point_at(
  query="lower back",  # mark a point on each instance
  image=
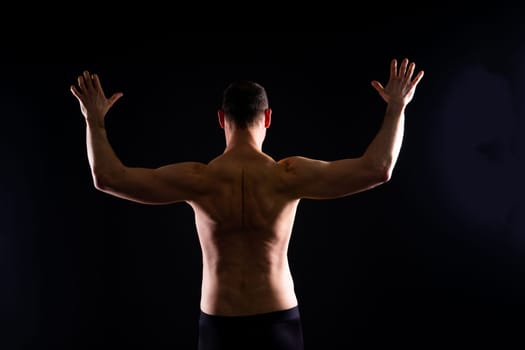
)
(235, 290)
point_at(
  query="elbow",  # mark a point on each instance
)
(107, 180)
(383, 175)
(101, 182)
(380, 171)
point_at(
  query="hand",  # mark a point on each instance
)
(93, 102)
(400, 87)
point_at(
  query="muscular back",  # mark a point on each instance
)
(244, 221)
(244, 201)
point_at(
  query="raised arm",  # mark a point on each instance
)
(316, 179)
(167, 184)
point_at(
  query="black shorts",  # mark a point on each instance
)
(277, 330)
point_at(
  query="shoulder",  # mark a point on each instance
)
(287, 163)
(295, 163)
(186, 167)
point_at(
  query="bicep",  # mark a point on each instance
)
(317, 179)
(164, 185)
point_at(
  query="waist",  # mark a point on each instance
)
(287, 314)
(231, 296)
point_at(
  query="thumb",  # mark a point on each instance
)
(377, 85)
(75, 92)
(115, 97)
(380, 89)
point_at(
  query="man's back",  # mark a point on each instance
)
(245, 202)
(244, 220)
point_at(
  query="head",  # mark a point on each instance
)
(244, 106)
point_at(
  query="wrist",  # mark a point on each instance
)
(95, 123)
(396, 107)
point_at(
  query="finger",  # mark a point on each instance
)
(81, 84)
(417, 79)
(75, 92)
(97, 84)
(115, 97)
(88, 80)
(393, 69)
(403, 68)
(377, 85)
(410, 71)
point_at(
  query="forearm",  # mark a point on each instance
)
(102, 159)
(383, 151)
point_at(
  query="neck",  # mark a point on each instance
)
(243, 139)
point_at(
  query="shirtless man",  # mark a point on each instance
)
(245, 202)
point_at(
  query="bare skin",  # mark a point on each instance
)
(244, 201)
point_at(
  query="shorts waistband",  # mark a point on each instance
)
(272, 316)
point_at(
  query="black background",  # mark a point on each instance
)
(433, 257)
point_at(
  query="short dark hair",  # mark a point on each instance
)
(242, 100)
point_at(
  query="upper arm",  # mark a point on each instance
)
(167, 184)
(317, 179)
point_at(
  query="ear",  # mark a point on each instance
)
(267, 117)
(220, 114)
